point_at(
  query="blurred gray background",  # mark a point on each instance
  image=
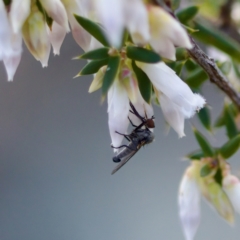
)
(56, 160)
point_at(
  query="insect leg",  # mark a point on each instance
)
(131, 122)
(134, 111)
(126, 146)
(126, 136)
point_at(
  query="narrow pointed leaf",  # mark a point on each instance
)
(142, 55)
(111, 72)
(187, 14)
(218, 39)
(220, 121)
(144, 82)
(229, 148)
(93, 28)
(205, 118)
(218, 176)
(205, 170)
(230, 123)
(196, 155)
(196, 78)
(204, 144)
(93, 66)
(100, 53)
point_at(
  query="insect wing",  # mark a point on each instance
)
(124, 161)
(127, 158)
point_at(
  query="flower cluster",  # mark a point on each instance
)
(219, 187)
(40, 23)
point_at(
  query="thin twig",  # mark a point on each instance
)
(215, 75)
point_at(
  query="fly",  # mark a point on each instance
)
(137, 138)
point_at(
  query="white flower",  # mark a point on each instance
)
(55, 9)
(19, 12)
(231, 186)
(118, 109)
(56, 36)
(119, 14)
(189, 204)
(176, 98)
(10, 44)
(36, 36)
(166, 33)
(82, 37)
(123, 89)
(12, 60)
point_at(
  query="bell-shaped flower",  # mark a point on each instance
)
(55, 9)
(176, 98)
(117, 15)
(118, 110)
(231, 186)
(82, 37)
(19, 12)
(189, 203)
(36, 37)
(56, 36)
(12, 59)
(166, 33)
(5, 32)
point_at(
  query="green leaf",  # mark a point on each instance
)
(204, 144)
(144, 83)
(220, 121)
(181, 54)
(111, 72)
(230, 123)
(93, 66)
(205, 170)
(218, 39)
(205, 118)
(218, 176)
(236, 69)
(229, 148)
(196, 78)
(178, 67)
(100, 53)
(175, 4)
(225, 67)
(142, 55)
(191, 65)
(196, 155)
(187, 14)
(93, 28)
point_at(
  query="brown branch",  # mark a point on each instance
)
(215, 75)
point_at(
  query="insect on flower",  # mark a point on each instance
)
(137, 138)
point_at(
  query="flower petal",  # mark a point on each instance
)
(118, 108)
(19, 12)
(136, 21)
(12, 59)
(36, 37)
(5, 32)
(166, 33)
(173, 115)
(189, 204)
(55, 9)
(56, 36)
(231, 186)
(111, 15)
(166, 81)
